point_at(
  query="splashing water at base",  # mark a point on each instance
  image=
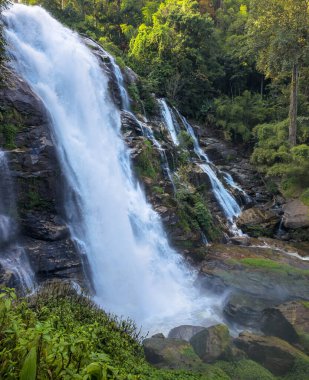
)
(134, 270)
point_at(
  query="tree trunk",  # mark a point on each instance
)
(293, 106)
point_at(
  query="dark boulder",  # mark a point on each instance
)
(276, 355)
(212, 343)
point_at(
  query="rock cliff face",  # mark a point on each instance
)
(38, 180)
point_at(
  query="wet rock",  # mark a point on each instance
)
(184, 332)
(212, 343)
(296, 214)
(8, 278)
(39, 183)
(258, 222)
(105, 62)
(130, 123)
(198, 177)
(58, 259)
(44, 227)
(171, 353)
(289, 321)
(272, 353)
(246, 310)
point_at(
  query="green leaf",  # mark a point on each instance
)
(28, 371)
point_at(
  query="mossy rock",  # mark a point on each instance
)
(171, 354)
(212, 343)
(278, 356)
(289, 321)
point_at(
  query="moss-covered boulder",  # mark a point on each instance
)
(212, 343)
(276, 355)
(290, 322)
(171, 354)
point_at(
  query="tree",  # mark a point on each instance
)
(278, 34)
(178, 54)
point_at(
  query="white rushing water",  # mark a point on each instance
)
(124, 96)
(169, 121)
(227, 202)
(13, 257)
(135, 272)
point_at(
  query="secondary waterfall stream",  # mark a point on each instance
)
(135, 272)
(225, 199)
(13, 257)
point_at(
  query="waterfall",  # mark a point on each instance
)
(135, 272)
(197, 148)
(125, 100)
(13, 257)
(169, 120)
(230, 181)
(227, 202)
(120, 82)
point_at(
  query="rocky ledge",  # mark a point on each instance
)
(254, 278)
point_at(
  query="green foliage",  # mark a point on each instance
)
(147, 162)
(186, 141)
(193, 213)
(29, 370)
(238, 116)
(274, 157)
(245, 370)
(61, 335)
(9, 132)
(277, 32)
(305, 197)
(300, 371)
(273, 266)
(177, 53)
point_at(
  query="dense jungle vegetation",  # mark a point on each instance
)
(240, 66)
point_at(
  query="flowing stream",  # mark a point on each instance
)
(13, 257)
(135, 272)
(227, 202)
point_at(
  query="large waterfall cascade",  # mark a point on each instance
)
(135, 272)
(13, 257)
